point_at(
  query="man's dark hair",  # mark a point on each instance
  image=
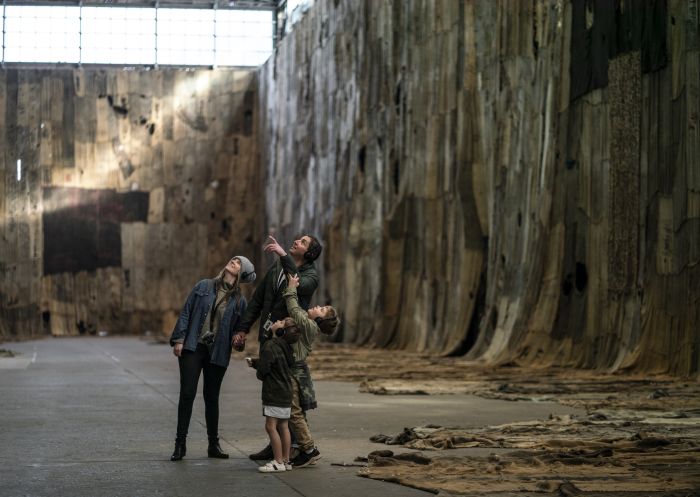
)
(314, 250)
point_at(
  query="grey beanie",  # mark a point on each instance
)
(247, 269)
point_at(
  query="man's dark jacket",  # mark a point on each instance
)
(267, 298)
(274, 368)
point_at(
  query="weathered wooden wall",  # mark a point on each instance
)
(518, 180)
(135, 184)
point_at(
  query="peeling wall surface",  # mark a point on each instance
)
(132, 186)
(515, 181)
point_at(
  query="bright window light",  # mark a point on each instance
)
(42, 34)
(186, 37)
(19, 169)
(243, 38)
(118, 35)
(137, 36)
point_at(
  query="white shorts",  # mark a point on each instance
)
(277, 412)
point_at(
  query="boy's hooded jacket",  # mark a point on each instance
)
(274, 368)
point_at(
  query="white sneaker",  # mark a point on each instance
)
(287, 466)
(273, 467)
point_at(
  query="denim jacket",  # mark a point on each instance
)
(192, 317)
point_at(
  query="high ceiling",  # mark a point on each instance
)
(223, 4)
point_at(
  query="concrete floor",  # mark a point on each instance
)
(96, 416)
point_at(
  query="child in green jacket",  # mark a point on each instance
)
(319, 319)
(274, 368)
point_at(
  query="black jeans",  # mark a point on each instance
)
(191, 365)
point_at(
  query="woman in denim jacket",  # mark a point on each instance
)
(201, 341)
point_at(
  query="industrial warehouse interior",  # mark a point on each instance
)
(482, 218)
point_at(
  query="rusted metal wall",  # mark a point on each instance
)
(518, 180)
(134, 185)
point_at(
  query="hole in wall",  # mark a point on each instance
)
(122, 109)
(361, 159)
(477, 316)
(581, 279)
(567, 285)
(397, 99)
(535, 43)
(225, 232)
(535, 47)
(395, 176)
(434, 306)
(46, 321)
(248, 122)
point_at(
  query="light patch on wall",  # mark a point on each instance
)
(188, 88)
(19, 169)
(295, 11)
(202, 84)
(189, 101)
(184, 90)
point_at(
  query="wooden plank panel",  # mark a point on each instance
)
(677, 36)
(665, 242)
(102, 121)
(692, 133)
(24, 97)
(67, 119)
(625, 118)
(87, 122)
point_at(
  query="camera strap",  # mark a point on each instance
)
(275, 293)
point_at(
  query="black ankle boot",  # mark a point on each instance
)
(180, 450)
(214, 449)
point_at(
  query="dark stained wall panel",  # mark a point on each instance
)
(603, 29)
(82, 227)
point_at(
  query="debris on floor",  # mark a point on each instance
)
(602, 452)
(640, 434)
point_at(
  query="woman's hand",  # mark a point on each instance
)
(177, 349)
(273, 246)
(238, 339)
(292, 281)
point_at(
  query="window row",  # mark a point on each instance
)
(131, 35)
